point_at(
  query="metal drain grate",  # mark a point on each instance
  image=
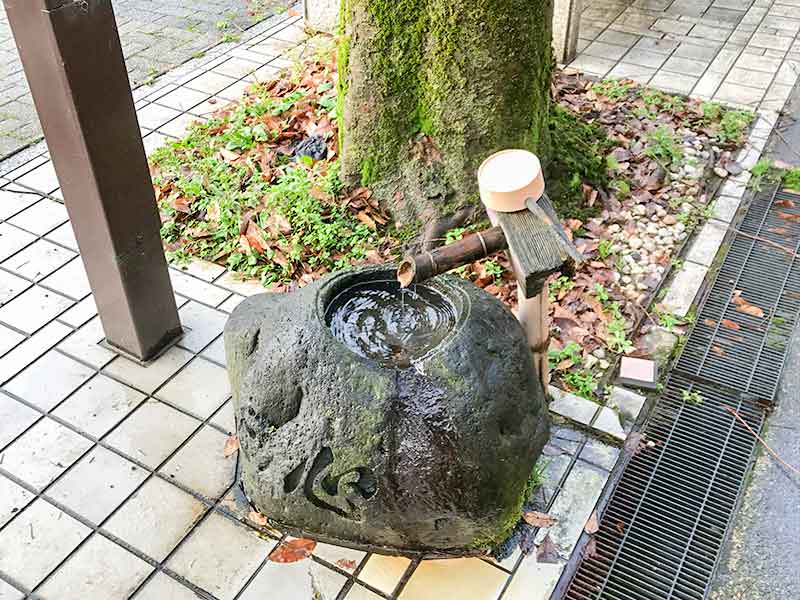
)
(740, 351)
(662, 531)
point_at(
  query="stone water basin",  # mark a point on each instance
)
(399, 422)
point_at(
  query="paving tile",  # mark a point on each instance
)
(291, 581)
(37, 540)
(571, 406)
(707, 242)
(201, 324)
(608, 422)
(326, 583)
(10, 286)
(684, 288)
(180, 126)
(271, 47)
(637, 73)
(97, 484)
(645, 58)
(38, 260)
(182, 99)
(154, 116)
(237, 67)
(775, 42)
(756, 79)
(672, 26)
(656, 45)
(43, 452)
(196, 289)
(463, 578)
(739, 94)
(10, 338)
(210, 83)
(708, 84)
(99, 405)
(13, 239)
(13, 201)
(15, 418)
(220, 556)
(156, 518)
(225, 418)
(32, 348)
(685, 66)
(725, 208)
(41, 217)
(49, 380)
(244, 287)
(216, 351)
(232, 303)
(64, 235)
(13, 498)
(149, 377)
(200, 388)
(555, 467)
(593, 65)
(164, 587)
(346, 559)
(674, 82)
(203, 269)
(152, 433)
(152, 142)
(626, 402)
(603, 50)
(70, 280)
(758, 63)
(99, 569)
(534, 580)
(84, 344)
(81, 313)
(42, 178)
(33, 308)
(9, 592)
(384, 572)
(201, 464)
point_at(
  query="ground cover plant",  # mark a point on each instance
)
(257, 188)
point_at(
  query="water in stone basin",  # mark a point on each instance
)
(392, 326)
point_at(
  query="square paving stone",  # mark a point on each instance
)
(81, 313)
(33, 308)
(64, 235)
(462, 578)
(15, 418)
(13, 498)
(290, 581)
(220, 556)
(97, 484)
(84, 344)
(99, 569)
(44, 452)
(152, 433)
(30, 349)
(149, 377)
(13, 201)
(154, 116)
(200, 388)
(201, 465)
(38, 260)
(205, 270)
(41, 217)
(183, 99)
(599, 454)
(13, 239)
(225, 418)
(11, 286)
(9, 592)
(608, 422)
(197, 289)
(638, 372)
(99, 405)
(216, 351)
(571, 406)
(683, 289)
(210, 83)
(346, 559)
(70, 280)
(49, 380)
(156, 518)
(164, 587)
(533, 580)
(43, 178)
(201, 323)
(37, 540)
(384, 572)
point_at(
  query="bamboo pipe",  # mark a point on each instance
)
(418, 268)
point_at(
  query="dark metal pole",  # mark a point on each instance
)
(71, 53)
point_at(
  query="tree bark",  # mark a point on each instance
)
(429, 88)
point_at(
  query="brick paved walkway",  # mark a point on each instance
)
(156, 36)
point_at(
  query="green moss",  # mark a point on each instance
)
(342, 67)
(367, 172)
(578, 156)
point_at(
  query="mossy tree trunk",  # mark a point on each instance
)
(429, 88)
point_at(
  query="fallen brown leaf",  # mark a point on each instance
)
(547, 552)
(718, 351)
(709, 322)
(293, 550)
(591, 549)
(538, 519)
(347, 564)
(231, 446)
(785, 203)
(620, 527)
(730, 324)
(746, 307)
(592, 525)
(789, 217)
(257, 518)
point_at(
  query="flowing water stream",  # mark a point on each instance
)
(393, 326)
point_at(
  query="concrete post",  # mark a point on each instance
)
(566, 23)
(321, 15)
